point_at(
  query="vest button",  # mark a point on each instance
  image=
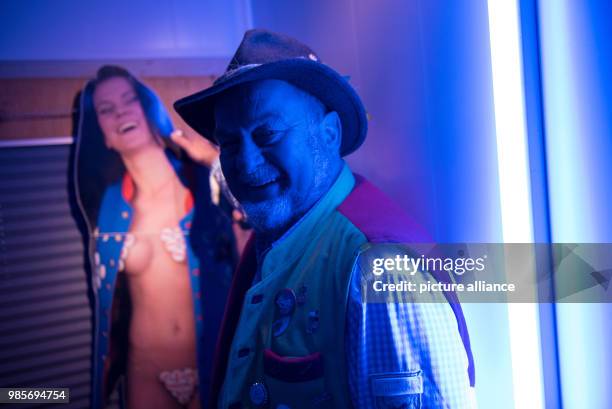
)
(258, 394)
(285, 302)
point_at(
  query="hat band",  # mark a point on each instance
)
(232, 73)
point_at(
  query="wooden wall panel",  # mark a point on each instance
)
(41, 107)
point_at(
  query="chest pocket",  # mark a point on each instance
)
(296, 382)
(397, 390)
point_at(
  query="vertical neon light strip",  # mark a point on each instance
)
(515, 191)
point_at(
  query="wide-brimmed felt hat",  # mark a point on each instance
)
(263, 55)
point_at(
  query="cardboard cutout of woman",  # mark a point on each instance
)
(161, 253)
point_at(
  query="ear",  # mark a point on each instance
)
(331, 128)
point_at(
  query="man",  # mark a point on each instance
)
(296, 331)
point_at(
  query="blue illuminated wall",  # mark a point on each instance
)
(115, 29)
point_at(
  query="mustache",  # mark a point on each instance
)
(259, 176)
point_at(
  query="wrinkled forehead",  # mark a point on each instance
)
(253, 100)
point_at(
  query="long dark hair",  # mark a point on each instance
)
(97, 166)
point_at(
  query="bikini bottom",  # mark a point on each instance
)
(181, 383)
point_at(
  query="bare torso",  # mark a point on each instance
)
(162, 333)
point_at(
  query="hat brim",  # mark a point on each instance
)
(197, 110)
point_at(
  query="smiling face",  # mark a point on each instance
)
(121, 116)
(279, 151)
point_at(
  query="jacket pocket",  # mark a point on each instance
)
(296, 382)
(397, 390)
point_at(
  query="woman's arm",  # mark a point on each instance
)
(199, 149)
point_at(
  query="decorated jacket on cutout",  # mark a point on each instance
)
(210, 259)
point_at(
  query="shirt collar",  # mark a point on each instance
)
(292, 243)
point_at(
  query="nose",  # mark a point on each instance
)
(249, 156)
(122, 110)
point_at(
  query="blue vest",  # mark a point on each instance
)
(296, 368)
